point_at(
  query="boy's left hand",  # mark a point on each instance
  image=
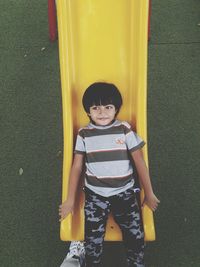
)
(151, 201)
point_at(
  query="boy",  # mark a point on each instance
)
(106, 146)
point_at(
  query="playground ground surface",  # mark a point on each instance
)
(31, 137)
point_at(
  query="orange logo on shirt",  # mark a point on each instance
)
(120, 141)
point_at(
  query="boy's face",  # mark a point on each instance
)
(102, 115)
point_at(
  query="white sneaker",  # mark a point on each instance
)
(76, 254)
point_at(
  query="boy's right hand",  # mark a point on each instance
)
(151, 201)
(65, 208)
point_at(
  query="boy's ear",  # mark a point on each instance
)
(116, 112)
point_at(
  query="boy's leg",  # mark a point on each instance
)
(96, 214)
(127, 215)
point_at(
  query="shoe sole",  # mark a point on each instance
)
(70, 263)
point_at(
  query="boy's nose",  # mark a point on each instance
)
(102, 110)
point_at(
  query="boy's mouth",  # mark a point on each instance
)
(104, 118)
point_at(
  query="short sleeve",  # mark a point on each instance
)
(133, 140)
(80, 145)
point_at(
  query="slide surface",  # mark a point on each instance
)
(101, 40)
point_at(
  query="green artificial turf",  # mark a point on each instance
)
(31, 137)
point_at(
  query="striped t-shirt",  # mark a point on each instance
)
(109, 170)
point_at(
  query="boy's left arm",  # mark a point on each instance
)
(150, 199)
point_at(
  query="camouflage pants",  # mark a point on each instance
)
(126, 213)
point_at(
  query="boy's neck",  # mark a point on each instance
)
(103, 126)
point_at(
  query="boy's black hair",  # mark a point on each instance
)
(101, 93)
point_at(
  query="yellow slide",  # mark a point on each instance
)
(101, 40)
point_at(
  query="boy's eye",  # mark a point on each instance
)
(94, 108)
(109, 107)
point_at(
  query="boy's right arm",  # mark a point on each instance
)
(68, 205)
